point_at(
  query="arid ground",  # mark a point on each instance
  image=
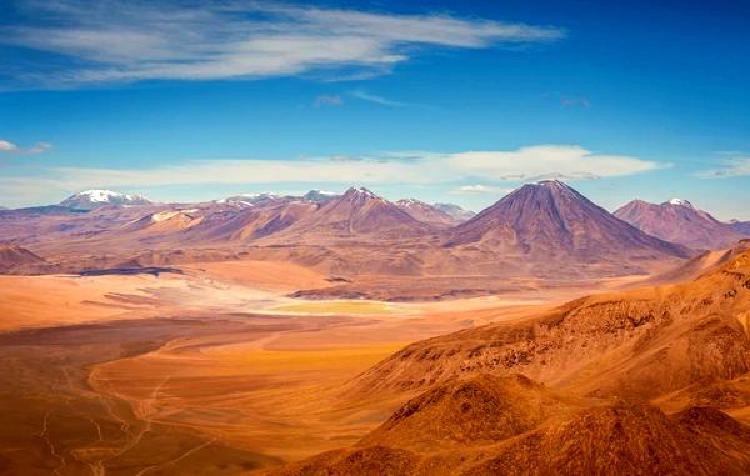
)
(214, 371)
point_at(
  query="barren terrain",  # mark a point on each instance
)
(217, 366)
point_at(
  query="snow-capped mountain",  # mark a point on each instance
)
(91, 199)
(250, 199)
(678, 221)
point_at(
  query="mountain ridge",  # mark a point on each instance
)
(678, 221)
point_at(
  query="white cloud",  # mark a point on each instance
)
(409, 167)
(129, 41)
(11, 148)
(479, 189)
(736, 165)
(548, 161)
(6, 146)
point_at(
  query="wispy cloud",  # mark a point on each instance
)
(479, 189)
(364, 96)
(11, 148)
(574, 101)
(328, 100)
(571, 162)
(732, 164)
(122, 40)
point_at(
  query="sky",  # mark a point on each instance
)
(444, 101)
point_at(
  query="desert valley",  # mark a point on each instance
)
(374, 238)
(348, 334)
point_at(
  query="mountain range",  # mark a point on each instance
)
(545, 230)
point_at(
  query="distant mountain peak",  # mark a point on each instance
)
(678, 221)
(457, 212)
(551, 219)
(95, 198)
(103, 195)
(411, 202)
(426, 213)
(361, 193)
(319, 195)
(552, 183)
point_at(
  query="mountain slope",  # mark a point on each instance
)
(426, 213)
(514, 426)
(17, 258)
(482, 409)
(356, 214)
(612, 344)
(741, 227)
(454, 211)
(679, 222)
(605, 361)
(550, 220)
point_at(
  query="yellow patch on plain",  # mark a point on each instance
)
(337, 307)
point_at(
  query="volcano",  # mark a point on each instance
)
(550, 220)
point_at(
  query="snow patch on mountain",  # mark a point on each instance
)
(90, 199)
(680, 202)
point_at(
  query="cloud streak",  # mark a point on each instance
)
(409, 167)
(8, 147)
(117, 41)
(735, 165)
(373, 98)
(479, 189)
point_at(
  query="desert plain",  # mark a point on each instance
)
(215, 367)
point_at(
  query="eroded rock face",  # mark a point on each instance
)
(484, 408)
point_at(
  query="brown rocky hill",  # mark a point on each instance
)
(16, 258)
(621, 344)
(679, 222)
(515, 426)
(482, 409)
(550, 221)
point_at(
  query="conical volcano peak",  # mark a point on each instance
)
(552, 183)
(550, 218)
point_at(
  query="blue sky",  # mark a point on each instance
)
(442, 101)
